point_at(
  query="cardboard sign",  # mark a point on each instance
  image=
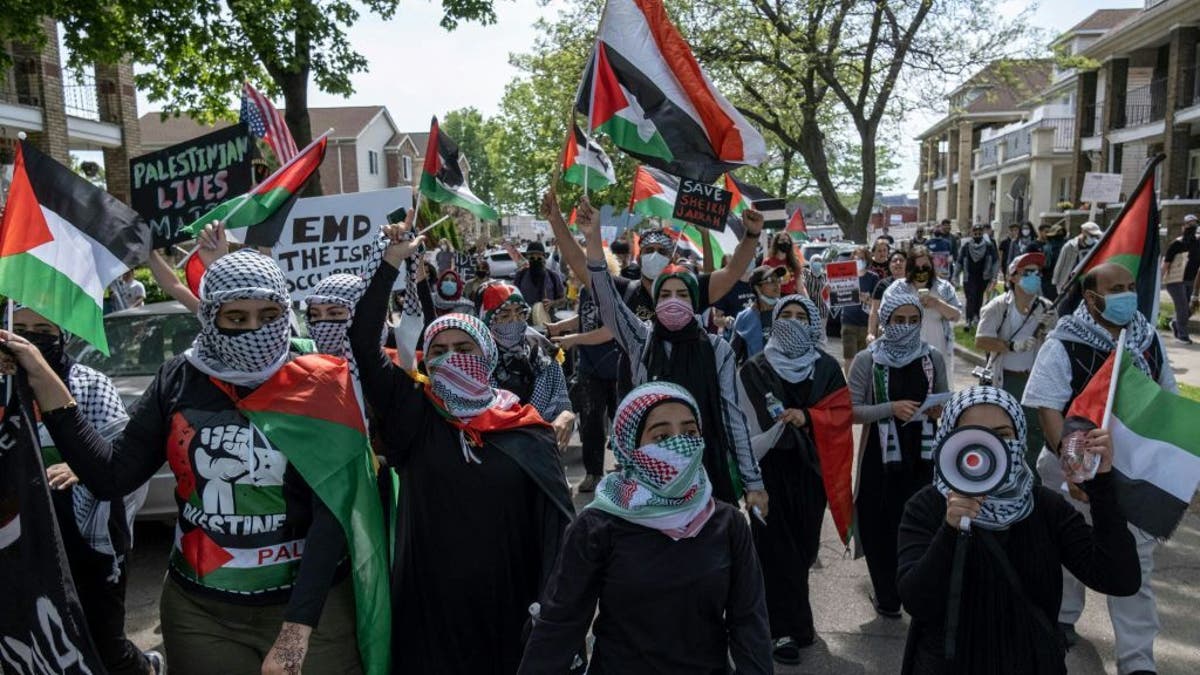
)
(1101, 187)
(174, 186)
(774, 213)
(842, 280)
(702, 204)
(332, 235)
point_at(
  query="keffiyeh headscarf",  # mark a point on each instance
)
(336, 289)
(661, 485)
(241, 357)
(656, 238)
(1081, 326)
(792, 348)
(509, 336)
(898, 345)
(1012, 501)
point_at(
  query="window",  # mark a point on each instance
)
(1193, 178)
(408, 174)
(1063, 189)
(373, 162)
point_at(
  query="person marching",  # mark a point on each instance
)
(97, 534)
(673, 570)
(1020, 537)
(674, 347)
(783, 255)
(939, 304)
(483, 499)
(897, 262)
(1011, 328)
(784, 384)
(752, 326)
(528, 365)
(977, 263)
(260, 553)
(888, 383)
(330, 308)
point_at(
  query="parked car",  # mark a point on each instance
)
(500, 264)
(140, 340)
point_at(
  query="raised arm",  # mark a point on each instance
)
(630, 332)
(722, 281)
(570, 250)
(164, 275)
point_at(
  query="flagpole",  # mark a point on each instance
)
(9, 307)
(1112, 382)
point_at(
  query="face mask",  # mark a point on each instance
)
(674, 313)
(902, 333)
(922, 274)
(817, 268)
(1119, 308)
(653, 264)
(481, 272)
(51, 346)
(977, 238)
(449, 289)
(329, 336)
(1031, 285)
(684, 455)
(1026, 233)
(1089, 241)
(783, 246)
(537, 264)
(768, 300)
(250, 351)
(860, 265)
(508, 334)
(461, 381)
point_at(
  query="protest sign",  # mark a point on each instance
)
(174, 186)
(702, 204)
(333, 235)
(843, 284)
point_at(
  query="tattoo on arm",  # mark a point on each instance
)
(290, 648)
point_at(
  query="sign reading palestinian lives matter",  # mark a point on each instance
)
(702, 204)
(843, 284)
(333, 235)
(174, 186)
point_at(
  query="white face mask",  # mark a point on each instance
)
(860, 265)
(653, 264)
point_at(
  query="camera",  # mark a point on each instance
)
(984, 373)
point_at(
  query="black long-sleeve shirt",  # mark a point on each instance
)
(185, 418)
(996, 632)
(665, 606)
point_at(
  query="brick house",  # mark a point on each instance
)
(63, 110)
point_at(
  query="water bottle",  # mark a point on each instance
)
(1078, 464)
(774, 407)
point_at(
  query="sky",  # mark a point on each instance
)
(417, 69)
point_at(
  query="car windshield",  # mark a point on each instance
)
(139, 343)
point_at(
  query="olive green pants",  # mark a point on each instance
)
(204, 636)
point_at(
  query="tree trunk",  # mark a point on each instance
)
(295, 98)
(812, 149)
(788, 155)
(870, 179)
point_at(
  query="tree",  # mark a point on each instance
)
(196, 53)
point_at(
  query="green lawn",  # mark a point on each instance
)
(964, 337)
(1189, 391)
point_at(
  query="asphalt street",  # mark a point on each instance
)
(851, 638)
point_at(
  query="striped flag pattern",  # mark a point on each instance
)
(267, 123)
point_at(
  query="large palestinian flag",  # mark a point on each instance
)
(1132, 243)
(310, 411)
(584, 162)
(63, 241)
(442, 178)
(1156, 450)
(257, 217)
(654, 193)
(643, 87)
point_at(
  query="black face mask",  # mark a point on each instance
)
(51, 346)
(922, 274)
(537, 264)
(481, 272)
(783, 246)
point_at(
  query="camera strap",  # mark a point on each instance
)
(1014, 582)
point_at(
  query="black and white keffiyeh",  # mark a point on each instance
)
(244, 358)
(792, 348)
(336, 289)
(898, 345)
(1080, 326)
(1012, 501)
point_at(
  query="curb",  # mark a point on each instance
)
(974, 358)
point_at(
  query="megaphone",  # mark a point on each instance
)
(972, 460)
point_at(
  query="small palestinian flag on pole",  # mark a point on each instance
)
(1131, 242)
(63, 241)
(796, 226)
(1156, 450)
(654, 193)
(442, 178)
(643, 87)
(690, 238)
(257, 217)
(744, 196)
(584, 162)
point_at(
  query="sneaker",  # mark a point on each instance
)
(588, 484)
(1185, 340)
(157, 663)
(886, 612)
(786, 652)
(1069, 634)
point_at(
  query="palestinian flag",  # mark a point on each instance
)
(653, 193)
(744, 196)
(63, 241)
(643, 87)
(442, 178)
(796, 226)
(688, 243)
(257, 217)
(1156, 458)
(690, 238)
(832, 423)
(1131, 242)
(584, 162)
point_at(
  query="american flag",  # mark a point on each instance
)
(267, 123)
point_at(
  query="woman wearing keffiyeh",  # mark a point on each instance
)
(652, 542)
(483, 499)
(1021, 536)
(805, 448)
(888, 383)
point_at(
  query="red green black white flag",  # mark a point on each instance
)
(63, 241)
(584, 162)
(644, 88)
(442, 179)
